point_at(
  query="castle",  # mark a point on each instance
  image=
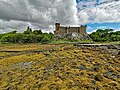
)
(62, 30)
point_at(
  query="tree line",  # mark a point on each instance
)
(107, 35)
(28, 36)
(37, 36)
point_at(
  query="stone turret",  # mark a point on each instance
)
(57, 28)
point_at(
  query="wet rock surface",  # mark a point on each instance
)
(67, 68)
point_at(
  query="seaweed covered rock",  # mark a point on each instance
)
(66, 68)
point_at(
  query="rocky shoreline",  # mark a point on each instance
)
(114, 48)
(70, 67)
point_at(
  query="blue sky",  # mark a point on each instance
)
(93, 26)
(102, 17)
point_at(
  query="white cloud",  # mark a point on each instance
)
(107, 11)
(117, 29)
(40, 14)
(83, 17)
(91, 31)
(12, 25)
(102, 27)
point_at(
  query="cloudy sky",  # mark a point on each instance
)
(42, 14)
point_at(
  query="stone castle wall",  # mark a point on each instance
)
(61, 30)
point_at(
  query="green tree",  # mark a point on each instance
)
(27, 36)
(46, 39)
(102, 35)
(37, 32)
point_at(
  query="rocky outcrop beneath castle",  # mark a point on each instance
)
(74, 36)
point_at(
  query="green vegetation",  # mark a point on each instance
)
(106, 35)
(28, 36)
(65, 40)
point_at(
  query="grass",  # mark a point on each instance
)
(24, 47)
(69, 41)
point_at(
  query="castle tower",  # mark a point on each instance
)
(83, 29)
(57, 26)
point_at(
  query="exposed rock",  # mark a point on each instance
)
(83, 68)
(110, 75)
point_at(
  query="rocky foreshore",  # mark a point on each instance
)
(68, 68)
